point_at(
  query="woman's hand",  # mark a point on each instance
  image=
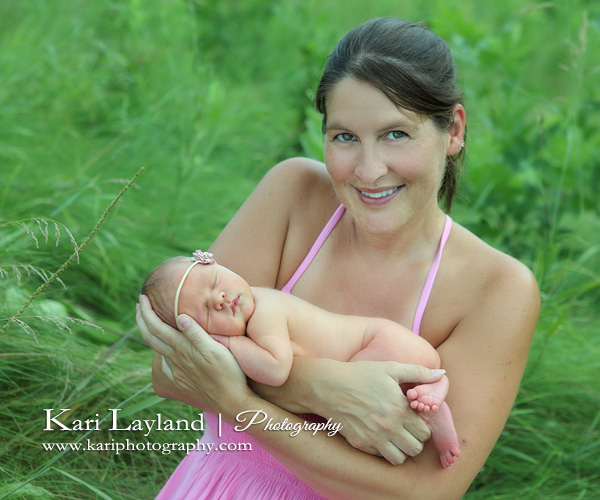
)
(366, 398)
(201, 369)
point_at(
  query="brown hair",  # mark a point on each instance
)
(411, 65)
(160, 290)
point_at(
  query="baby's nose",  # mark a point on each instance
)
(219, 299)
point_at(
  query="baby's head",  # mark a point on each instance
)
(217, 298)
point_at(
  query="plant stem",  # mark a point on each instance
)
(74, 255)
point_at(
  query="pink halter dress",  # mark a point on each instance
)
(237, 472)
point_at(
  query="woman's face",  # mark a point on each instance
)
(218, 299)
(386, 163)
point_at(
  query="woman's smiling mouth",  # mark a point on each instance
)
(378, 197)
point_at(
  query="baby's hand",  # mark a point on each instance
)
(222, 339)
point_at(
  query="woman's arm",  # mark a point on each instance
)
(191, 358)
(484, 358)
(366, 398)
(375, 413)
(494, 331)
(250, 245)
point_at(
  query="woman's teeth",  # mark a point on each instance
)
(380, 194)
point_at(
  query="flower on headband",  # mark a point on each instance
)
(203, 257)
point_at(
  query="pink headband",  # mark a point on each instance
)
(198, 257)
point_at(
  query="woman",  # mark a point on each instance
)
(394, 130)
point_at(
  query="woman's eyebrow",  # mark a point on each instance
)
(336, 126)
(393, 125)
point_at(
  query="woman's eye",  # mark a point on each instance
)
(344, 137)
(396, 134)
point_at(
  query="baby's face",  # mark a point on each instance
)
(217, 298)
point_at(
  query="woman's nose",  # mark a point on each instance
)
(370, 166)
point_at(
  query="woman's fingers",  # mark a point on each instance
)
(395, 448)
(416, 427)
(392, 454)
(166, 369)
(158, 335)
(202, 371)
(366, 397)
(408, 443)
(221, 339)
(404, 373)
(144, 329)
(194, 333)
(211, 351)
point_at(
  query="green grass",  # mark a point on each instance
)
(208, 96)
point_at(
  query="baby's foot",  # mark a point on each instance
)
(428, 397)
(449, 456)
(443, 434)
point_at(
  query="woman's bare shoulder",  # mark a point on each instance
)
(257, 240)
(491, 284)
(306, 195)
(488, 265)
(298, 168)
(477, 284)
(299, 175)
(310, 202)
(297, 188)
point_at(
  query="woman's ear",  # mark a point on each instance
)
(457, 130)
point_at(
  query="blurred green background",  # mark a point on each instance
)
(208, 95)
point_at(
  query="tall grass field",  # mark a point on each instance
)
(206, 96)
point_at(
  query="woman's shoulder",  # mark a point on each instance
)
(490, 279)
(309, 200)
(254, 242)
(307, 192)
(485, 286)
(298, 174)
(488, 264)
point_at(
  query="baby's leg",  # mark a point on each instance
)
(428, 397)
(443, 434)
(387, 343)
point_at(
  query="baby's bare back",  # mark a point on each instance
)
(315, 332)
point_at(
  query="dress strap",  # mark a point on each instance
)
(431, 278)
(287, 288)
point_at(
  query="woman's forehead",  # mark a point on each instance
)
(351, 96)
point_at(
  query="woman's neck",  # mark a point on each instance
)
(412, 239)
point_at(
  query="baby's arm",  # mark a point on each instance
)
(267, 356)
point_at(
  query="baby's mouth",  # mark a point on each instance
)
(234, 305)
